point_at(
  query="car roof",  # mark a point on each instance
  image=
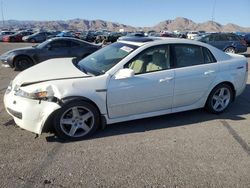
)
(70, 38)
(159, 40)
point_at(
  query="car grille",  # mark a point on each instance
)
(15, 113)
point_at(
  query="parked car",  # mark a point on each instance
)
(37, 37)
(192, 34)
(247, 39)
(4, 33)
(66, 34)
(17, 37)
(115, 84)
(88, 36)
(228, 42)
(23, 58)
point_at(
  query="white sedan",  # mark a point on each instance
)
(131, 79)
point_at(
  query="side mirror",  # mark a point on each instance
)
(124, 73)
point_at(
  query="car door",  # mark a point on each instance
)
(77, 49)
(55, 49)
(195, 71)
(149, 90)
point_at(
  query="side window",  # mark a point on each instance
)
(211, 38)
(187, 55)
(232, 38)
(152, 59)
(207, 39)
(208, 56)
(60, 44)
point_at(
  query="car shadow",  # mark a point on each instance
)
(236, 112)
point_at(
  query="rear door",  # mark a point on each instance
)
(195, 70)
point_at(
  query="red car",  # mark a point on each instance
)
(17, 37)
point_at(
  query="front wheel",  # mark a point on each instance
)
(219, 99)
(230, 50)
(76, 120)
(22, 63)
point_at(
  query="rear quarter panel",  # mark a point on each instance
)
(234, 71)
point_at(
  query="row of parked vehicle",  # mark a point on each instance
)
(38, 37)
(66, 45)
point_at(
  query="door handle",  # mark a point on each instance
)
(167, 79)
(209, 72)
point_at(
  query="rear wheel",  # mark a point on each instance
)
(230, 50)
(76, 120)
(219, 99)
(22, 63)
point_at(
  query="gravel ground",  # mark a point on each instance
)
(189, 149)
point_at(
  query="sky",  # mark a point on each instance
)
(131, 12)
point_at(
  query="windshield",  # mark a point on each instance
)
(104, 59)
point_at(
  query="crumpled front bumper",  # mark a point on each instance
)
(29, 114)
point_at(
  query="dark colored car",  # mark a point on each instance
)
(23, 58)
(228, 42)
(17, 37)
(247, 39)
(66, 34)
(4, 33)
(88, 36)
(37, 37)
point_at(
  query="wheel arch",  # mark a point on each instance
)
(47, 127)
(22, 55)
(230, 84)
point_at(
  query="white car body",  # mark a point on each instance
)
(192, 34)
(122, 99)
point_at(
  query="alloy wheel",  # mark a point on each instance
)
(77, 121)
(221, 99)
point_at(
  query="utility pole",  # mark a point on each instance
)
(213, 11)
(2, 13)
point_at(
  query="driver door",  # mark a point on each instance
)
(55, 49)
(149, 90)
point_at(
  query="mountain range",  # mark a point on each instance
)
(179, 23)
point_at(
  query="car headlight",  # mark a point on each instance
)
(37, 95)
(9, 88)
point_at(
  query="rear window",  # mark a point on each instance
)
(189, 55)
(208, 56)
(233, 38)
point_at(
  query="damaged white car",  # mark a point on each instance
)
(127, 80)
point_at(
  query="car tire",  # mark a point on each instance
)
(22, 63)
(33, 41)
(230, 50)
(219, 99)
(76, 120)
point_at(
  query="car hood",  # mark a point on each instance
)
(53, 69)
(18, 50)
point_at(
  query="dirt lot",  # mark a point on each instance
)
(189, 149)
